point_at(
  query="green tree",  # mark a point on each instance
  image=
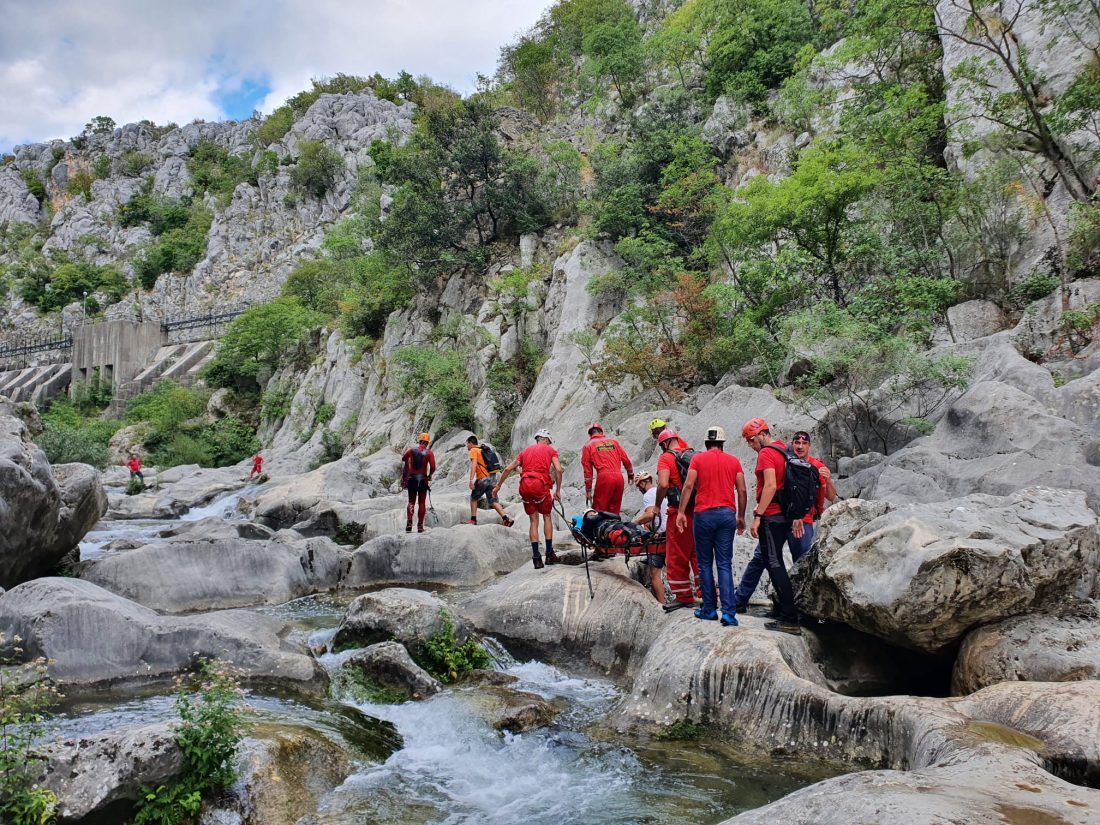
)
(256, 342)
(317, 168)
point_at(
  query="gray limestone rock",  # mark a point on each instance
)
(727, 127)
(409, 616)
(90, 772)
(389, 665)
(95, 639)
(194, 571)
(149, 505)
(922, 575)
(43, 516)
(975, 319)
(17, 204)
(1061, 645)
(463, 555)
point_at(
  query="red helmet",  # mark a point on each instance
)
(665, 436)
(596, 425)
(754, 426)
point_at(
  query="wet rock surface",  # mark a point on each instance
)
(90, 772)
(389, 665)
(408, 616)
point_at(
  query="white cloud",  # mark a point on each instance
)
(63, 62)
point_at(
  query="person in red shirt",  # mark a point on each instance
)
(607, 458)
(540, 471)
(715, 477)
(799, 545)
(135, 468)
(417, 469)
(257, 466)
(681, 567)
(769, 525)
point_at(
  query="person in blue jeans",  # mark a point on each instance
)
(713, 479)
(799, 545)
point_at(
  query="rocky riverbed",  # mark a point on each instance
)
(952, 674)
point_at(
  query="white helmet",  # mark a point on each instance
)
(544, 433)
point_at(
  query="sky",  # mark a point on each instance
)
(63, 62)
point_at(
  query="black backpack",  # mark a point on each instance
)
(801, 481)
(491, 459)
(683, 463)
(419, 462)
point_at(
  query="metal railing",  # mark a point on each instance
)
(181, 328)
(19, 352)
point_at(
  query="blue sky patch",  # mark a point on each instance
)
(239, 100)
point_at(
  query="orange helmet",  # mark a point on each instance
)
(754, 426)
(665, 435)
(425, 437)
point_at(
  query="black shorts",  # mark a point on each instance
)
(655, 560)
(483, 488)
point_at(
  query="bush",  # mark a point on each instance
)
(178, 249)
(213, 169)
(102, 167)
(258, 340)
(25, 697)
(320, 284)
(444, 658)
(71, 436)
(80, 182)
(34, 184)
(166, 406)
(229, 440)
(1033, 288)
(68, 283)
(440, 375)
(133, 163)
(317, 168)
(209, 733)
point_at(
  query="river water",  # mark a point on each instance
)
(454, 767)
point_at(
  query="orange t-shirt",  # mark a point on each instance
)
(480, 471)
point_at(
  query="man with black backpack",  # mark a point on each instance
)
(485, 466)
(681, 566)
(417, 469)
(800, 446)
(786, 490)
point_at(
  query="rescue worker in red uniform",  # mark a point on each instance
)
(606, 457)
(417, 468)
(681, 566)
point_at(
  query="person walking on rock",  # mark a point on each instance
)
(606, 458)
(681, 567)
(539, 486)
(715, 477)
(655, 559)
(257, 466)
(417, 469)
(769, 525)
(134, 465)
(483, 479)
(799, 546)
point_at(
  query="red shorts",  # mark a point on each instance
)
(536, 495)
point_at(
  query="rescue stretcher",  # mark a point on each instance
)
(608, 535)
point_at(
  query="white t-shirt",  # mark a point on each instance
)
(649, 499)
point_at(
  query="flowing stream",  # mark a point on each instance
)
(454, 767)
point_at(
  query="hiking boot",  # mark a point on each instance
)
(472, 521)
(552, 557)
(669, 607)
(784, 627)
(741, 607)
(508, 522)
(729, 620)
(420, 528)
(408, 527)
(706, 615)
(536, 560)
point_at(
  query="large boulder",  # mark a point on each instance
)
(43, 517)
(1061, 645)
(90, 772)
(389, 665)
(154, 504)
(409, 616)
(922, 575)
(194, 571)
(464, 555)
(94, 639)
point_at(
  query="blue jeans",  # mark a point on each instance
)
(714, 530)
(756, 566)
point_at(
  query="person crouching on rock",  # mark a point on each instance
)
(417, 468)
(606, 458)
(715, 477)
(655, 561)
(537, 464)
(483, 480)
(135, 468)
